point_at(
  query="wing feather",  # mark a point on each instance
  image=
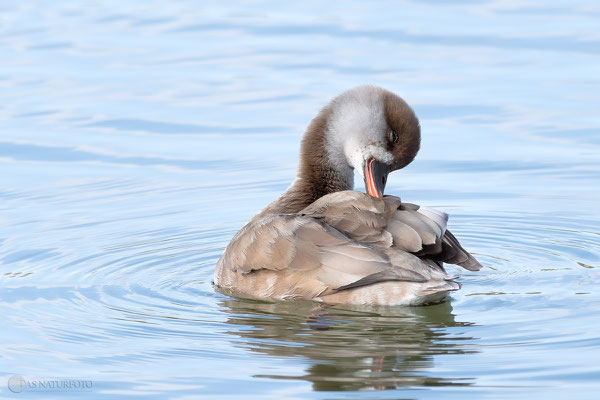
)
(411, 218)
(405, 237)
(342, 241)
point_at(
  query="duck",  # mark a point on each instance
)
(325, 242)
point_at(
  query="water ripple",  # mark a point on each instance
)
(136, 140)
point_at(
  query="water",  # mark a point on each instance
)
(137, 137)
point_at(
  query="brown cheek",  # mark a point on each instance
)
(400, 159)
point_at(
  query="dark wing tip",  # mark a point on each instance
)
(450, 252)
(471, 264)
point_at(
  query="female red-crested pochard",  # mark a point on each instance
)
(322, 241)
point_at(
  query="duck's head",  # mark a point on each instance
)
(367, 129)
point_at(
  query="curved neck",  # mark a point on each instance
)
(318, 175)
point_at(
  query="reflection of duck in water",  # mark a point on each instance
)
(379, 348)
(321, 241)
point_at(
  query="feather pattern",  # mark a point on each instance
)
(342, 248)
(321, 241)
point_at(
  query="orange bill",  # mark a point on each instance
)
(375, 174)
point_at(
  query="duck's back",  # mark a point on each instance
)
(346, 247)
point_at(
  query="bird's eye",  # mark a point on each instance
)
(393, 136)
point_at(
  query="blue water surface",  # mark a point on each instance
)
(137, 137)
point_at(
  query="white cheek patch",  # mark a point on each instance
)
(356, 129)
(359, 156)
(379, 153)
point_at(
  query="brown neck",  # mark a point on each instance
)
(317, 176)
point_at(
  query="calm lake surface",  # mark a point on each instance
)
(137, 137)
